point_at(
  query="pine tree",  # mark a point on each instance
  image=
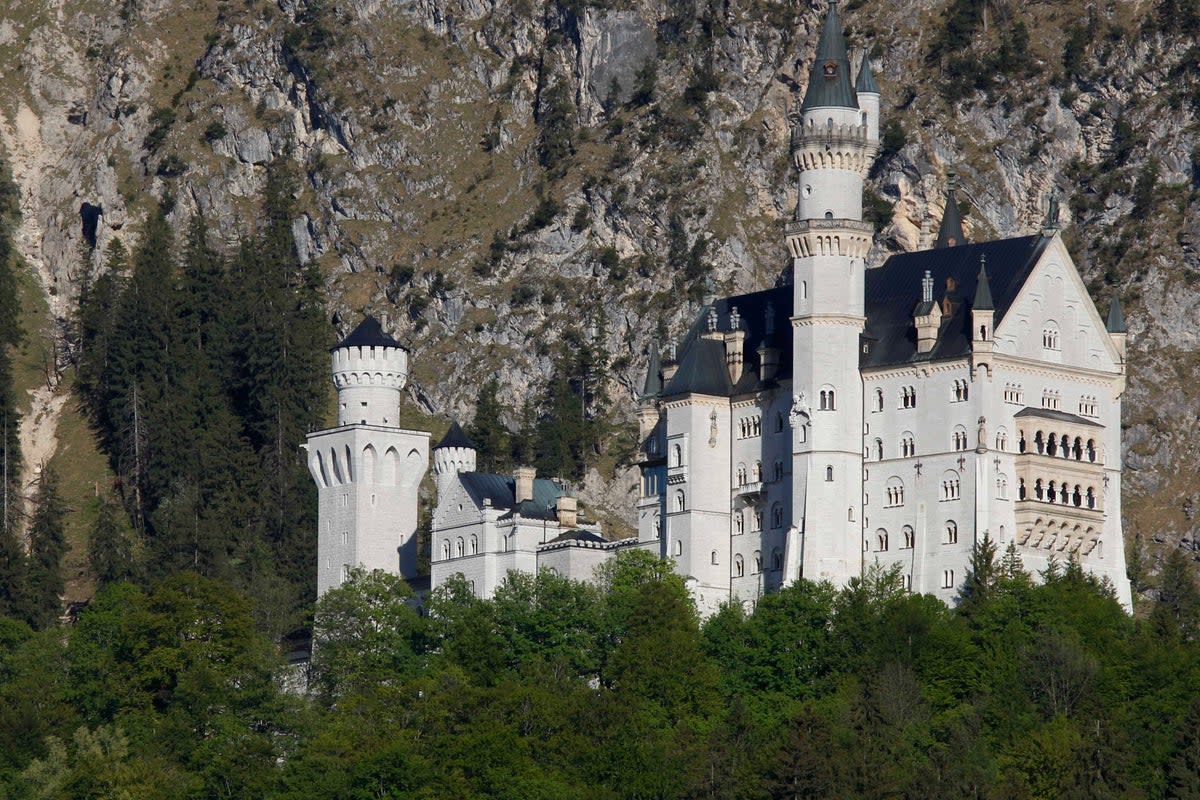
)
(1178, 607)
(492, 440)
(110, 554)
(47, 546)
(10, 419)
(982, 575)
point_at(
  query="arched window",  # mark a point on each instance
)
(895, 492)
(908, 446)
(780, 422)
(757, 562)
(739, 522)
(1002, 486)
(445, 549)
(758, 475)
(459, 547)
(951, 533)
(1091, 497)
(909, 537)
(826, 398)
(1001, 439)
(948, 579)
(678, 547)
(908, 397)
(1050, 336)
(950, 485)
(474, 544)
(776, 559)
(777, 516)
(739, 566)
(960, 438)
(878, 452)
(714, 558)
(680, 501)
(741, 474)
(829, 473)
(757, 521)
(881, 540)
(878, 404)
(778, 470)
(676, 455)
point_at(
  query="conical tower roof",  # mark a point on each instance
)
(866, 81)
(369, 333)
(983, 291)
(654, 385)
(1116, 319)
(829, 80)
(455, 437)
(951, 231)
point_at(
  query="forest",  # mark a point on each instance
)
(1029, 688)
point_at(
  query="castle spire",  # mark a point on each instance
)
(654, 382)
(983, 292)
(829, 79)
(1116, 319)
(865, 84)
(951, 231)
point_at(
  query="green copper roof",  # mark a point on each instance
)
(866, 81)
(829, 80)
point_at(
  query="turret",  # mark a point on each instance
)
(950, 234)
(927, 316)
(982, 310)
(648, 413)
(369, 370)
(455, 453)
(868, 98)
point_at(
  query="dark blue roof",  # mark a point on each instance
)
(866, 81)
(500, 489)
(455, 437)
(764, 317)
(369, 333)
(893, 291)
(1116, 320)
(578, 535)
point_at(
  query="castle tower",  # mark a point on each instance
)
(455, 453)
(368, 468)
(833, 147)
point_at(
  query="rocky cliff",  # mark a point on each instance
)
(492, 173)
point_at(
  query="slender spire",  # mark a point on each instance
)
(983, 292)
(950, 233)
(654, 383)
(1116, 320)
(829, 80)
(865, 84)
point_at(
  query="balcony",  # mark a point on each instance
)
(748, 489)
(676, 474)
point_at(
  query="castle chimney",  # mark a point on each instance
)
(735, 345)
(567, 511)
(927, 316)
(523, 484)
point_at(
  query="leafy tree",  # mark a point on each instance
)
(366, 635)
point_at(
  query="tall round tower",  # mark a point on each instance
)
(369, 370)
(833, 146)
(455, 453)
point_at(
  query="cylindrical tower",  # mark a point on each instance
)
(455, 453)
(369, 370)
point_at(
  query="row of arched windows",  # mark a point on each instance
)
(960, 391)
(739, 522)
(908, 397)
(1060, 446)
(882, 540)
(826, 400)
(1089, 406)
(749, 427)
(1051, 399)
(960, 438)
(908, 447)
(739, 561)
(1050, 338)
(1061, 492)
(1013, 393)
(950, 486)
(745, 476)
(460, 547)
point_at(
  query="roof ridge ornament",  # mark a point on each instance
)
(1051, 224)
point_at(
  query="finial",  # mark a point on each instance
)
(1051, 224)
(735, 319)
(712, 319)
(927, 287)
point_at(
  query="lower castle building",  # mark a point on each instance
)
(858, 415)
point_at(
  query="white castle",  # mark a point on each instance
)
(892, 415)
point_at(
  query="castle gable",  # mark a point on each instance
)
(1052, 319)
(893, 294)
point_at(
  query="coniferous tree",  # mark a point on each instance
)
(10, 419)
(99, 301)
(47, 546)
(487, 431)
(982, 575)
(110, 554)
(1178, 607)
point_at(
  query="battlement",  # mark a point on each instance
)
(829, 237)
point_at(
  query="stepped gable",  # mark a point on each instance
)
(702, 366)
(501, 491)
(369, 333)
(893, 291)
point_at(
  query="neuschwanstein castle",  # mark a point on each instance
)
(890, 414)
